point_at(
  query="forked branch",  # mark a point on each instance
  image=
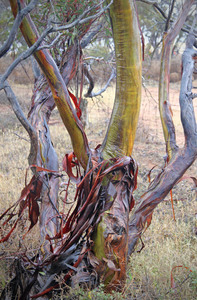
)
(58, 88)
(180, 161)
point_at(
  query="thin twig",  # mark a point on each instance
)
(156, 6)
(23, 56)
(169, 16)
(51, 44)
(113, 74)
(22, 138)
(181, 283)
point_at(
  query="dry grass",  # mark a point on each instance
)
(168, 243)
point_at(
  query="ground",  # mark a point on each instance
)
(168, 243)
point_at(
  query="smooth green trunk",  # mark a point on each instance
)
(120, 137)
(111, 237)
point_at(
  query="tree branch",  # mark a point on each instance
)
(90, 94)
(21, 14)
(24, 56)
(180, 161)
(164, 81)
(86, 41)
(186, 96)
(49, 46)
(169, 16)
(23, 120)
(156, 6)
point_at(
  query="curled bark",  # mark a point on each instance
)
(42, 106)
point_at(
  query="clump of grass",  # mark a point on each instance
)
(168, 243)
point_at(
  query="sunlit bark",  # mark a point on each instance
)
(111, 237)
(120, 137)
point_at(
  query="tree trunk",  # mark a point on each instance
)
(111, 238)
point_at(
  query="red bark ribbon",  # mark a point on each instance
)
(68, 164)
(77, 105)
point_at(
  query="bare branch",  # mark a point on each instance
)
(22, 138)
(24, 55)
(180, 161)
(164, 102)
(21, 14)
(186, 96)
(155, 5)
(35, 68)
(169, 16)
(91, 94)
(86, 41)
(23, 120)
(49, 46)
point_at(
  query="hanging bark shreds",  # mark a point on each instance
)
(29, 197)
(104, 199)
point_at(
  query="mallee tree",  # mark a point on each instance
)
(93, 241)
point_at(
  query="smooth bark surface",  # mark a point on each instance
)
(120, 137)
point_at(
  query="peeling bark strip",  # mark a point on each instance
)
(180, 161)
(103, 201)
(39, 115)
(111, 235)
